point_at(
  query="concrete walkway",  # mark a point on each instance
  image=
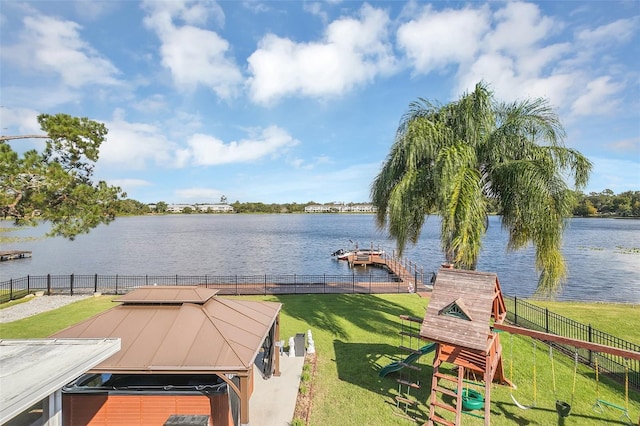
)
(274, 400)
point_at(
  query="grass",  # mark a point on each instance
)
(356, 335)
(47, 323)
(18, 298)
(605, 317)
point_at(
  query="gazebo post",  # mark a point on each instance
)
(244, 400)
(276, 361)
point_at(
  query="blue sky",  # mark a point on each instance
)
(297, 101)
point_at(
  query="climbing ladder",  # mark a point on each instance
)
(404, 400)
(438, 389)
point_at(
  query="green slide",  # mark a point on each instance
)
(395, 366)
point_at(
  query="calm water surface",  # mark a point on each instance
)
(602, 263)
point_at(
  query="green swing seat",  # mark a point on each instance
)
(472, 399)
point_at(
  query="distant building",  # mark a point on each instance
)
(214, 208)
(341, 208)
(178, 208)
(202, 208)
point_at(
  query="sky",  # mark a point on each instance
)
(299, 101)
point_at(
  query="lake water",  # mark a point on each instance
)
(602, 254)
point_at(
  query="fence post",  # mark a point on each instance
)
(95, 283)
(324, 283)
(353, 283)
(28, 284)
(48, 284)
(370, 279)
(590, 341)
(265, 284)
(515, 310)
(176, 279)
(10, 288)
(71, 284)
(236, 284)
(116, 284)
(546, 319)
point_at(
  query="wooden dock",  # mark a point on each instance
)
(14, 254)
(405, 271)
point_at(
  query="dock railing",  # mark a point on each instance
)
(528, 315)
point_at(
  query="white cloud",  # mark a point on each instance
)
(627, 146)
(137, 145)
(19, 121)
(520, 27)
(354, 51)
(436, 39)
(615, 32)
(92, 10)
(208, 150)
(598, 97)
(198, 194)
(299, 163)
(49, 45)
(127, 184)
(152, 103)
(195, 56)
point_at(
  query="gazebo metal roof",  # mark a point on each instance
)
(196, 332)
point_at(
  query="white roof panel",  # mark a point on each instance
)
(33, 369)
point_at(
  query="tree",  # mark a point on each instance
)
(56, 184)
(450, 159)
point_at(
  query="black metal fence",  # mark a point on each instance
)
(228, 285)
(519, 311)
(534, 317)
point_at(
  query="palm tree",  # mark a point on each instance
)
(452, 159)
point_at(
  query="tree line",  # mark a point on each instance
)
(593, 204)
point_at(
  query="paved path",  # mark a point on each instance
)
(36, 305)
(273, 402)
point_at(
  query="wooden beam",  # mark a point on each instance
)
(569, 341)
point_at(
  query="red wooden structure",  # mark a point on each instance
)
(459, 318)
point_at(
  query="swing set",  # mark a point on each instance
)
(563, 408)
(601, 405)
(535, 382)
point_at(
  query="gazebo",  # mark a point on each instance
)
(186, 331)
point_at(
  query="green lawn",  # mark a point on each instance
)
(603, 316)
(356, 335)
